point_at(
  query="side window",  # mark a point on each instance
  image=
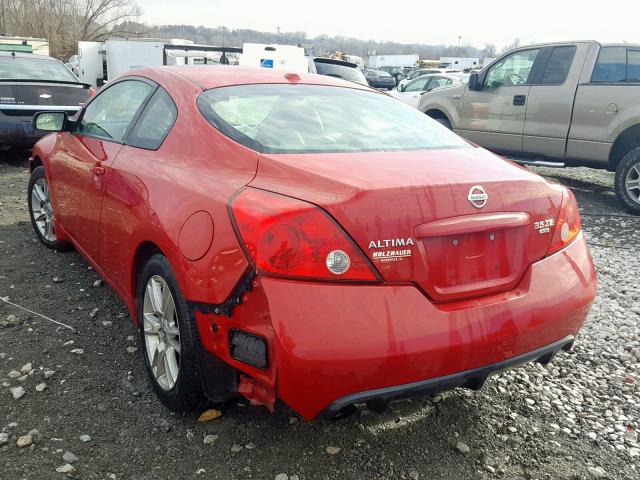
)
(512, 70)
(438, 82)
(417, 85)
(633, 66)
(155, 122)
(611, 66)
(109, 115)
(557, 69)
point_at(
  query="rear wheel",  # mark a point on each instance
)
(167, 337)
(627, 181)
(444, 122)
(41, 211)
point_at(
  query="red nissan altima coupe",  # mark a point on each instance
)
(303, 238)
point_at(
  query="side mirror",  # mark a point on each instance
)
(50, 121)
(474, 82)
(402, 87)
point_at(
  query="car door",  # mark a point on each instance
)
(85, 155)
(412, 91)
(494, 115)
(550, 102)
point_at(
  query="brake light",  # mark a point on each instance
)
(92, 92)
(284, 236)
(568, 224)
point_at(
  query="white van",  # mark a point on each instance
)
(283, 57)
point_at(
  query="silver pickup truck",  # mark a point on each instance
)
(563, 104)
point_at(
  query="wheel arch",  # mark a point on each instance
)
(438, 113)
(35, 163)
(143, 253)
(626, 141)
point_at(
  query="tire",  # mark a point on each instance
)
(181, 392)
(627, 181)
(443, 121)
(41, 210)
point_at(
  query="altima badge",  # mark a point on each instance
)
(477, 196)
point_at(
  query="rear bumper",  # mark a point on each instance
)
(473, 379)
(332, 344)
(17, 131)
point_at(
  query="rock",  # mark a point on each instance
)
(13, 321)
(26, 368)
(250, 446)
(209, 439)
(57, 280)
(48, 374)
(97, 283)
(66, 468)
(4, 438)
(462, 447)
(77, 351)
(14, 374)
(597, 472)
(209, 415)
(282, 476)
(85, 438)
(132, 349)
(18, 392)
(235, 448)
(94, 312)
(24, 441)
(333, 450)
(41, 387)
(69, 457)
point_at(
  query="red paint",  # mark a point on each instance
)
(437, 309)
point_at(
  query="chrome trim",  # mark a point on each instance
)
(42, 108)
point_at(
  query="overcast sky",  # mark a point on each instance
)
(414, 21)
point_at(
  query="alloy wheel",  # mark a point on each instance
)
(41, 209)
(161, 332)
(632, 182)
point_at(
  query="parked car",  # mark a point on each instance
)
(426, 71)
(339, 69)
(410, 92)
(379, 79)
(564, 104)
(29, 83)
(395, 72)
(303, 238)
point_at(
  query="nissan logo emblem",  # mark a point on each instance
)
(477, 196)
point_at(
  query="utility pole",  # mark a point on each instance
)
(459, 43)
(278, 34)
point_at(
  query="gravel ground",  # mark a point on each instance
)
(85, 408)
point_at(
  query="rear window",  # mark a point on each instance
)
(21, 68)
(340, 71)
(611, 66)
(283, 118)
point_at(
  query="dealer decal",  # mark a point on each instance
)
(391, 249)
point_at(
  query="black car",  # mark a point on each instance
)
(380, 79)
(339, 68)
(31, 83)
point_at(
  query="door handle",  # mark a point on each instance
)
(519, 100)
(98, 169)
(456, 97)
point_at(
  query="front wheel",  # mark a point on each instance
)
(168, 337)
(41, 211)
(444, 122)
(627, 181)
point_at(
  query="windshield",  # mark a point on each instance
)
(283, 118)
(341, 71)
(21, 68)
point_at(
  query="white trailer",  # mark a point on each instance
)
(377, 61)
(459, 63)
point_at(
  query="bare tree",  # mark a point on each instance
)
(65, 22)
(490, 50)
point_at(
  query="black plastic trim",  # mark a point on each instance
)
(235, 299)
(473, 379)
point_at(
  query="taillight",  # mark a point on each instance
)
(92, 92)
(568, 223)
(284, 236)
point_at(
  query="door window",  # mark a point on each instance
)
(611, 66)
(417, 85)
(633, 66)
(438, 82)
(109, 115)
(557, 69)
(155, 122)
(512, 70)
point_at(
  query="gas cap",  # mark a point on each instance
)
(612, 109)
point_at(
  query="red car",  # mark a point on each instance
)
(303, 238)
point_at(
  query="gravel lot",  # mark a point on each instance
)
(88, 411)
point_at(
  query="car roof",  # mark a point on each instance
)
(33, 56)
(333, 61)
(207, 77)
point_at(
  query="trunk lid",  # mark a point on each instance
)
(412, 213)
(26, 98)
